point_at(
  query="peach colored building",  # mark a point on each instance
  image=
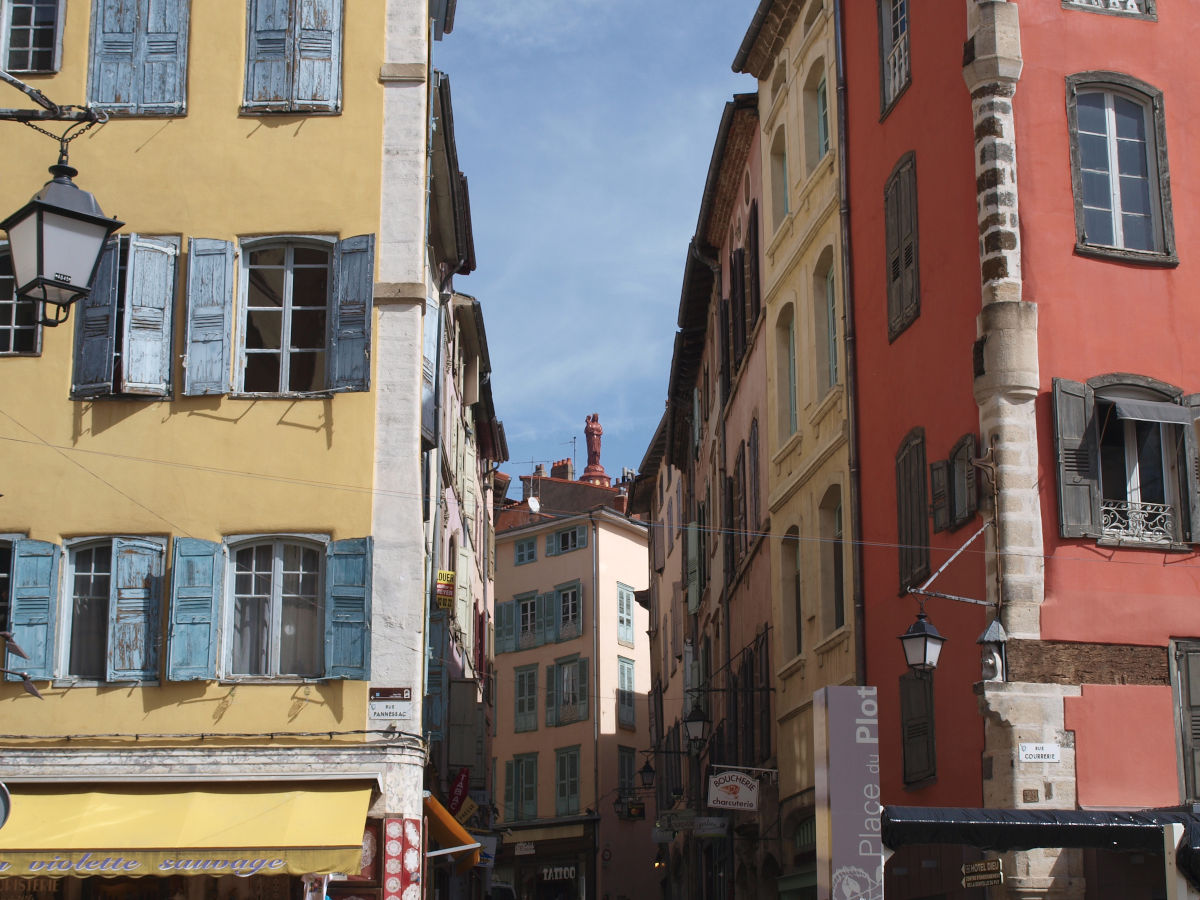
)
(572, 673)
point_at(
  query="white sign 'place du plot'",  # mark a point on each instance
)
(732, 790)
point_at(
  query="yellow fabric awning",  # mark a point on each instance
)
(453, 838)
(238, 828)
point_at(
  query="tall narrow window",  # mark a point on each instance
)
(755, 496)
(893, 50)
(785, 377)
(33, 35)
(626, 769)
(625, 614)
(89, 611)
(1186, 677)
(19, 329)
(520, 787)
(825, 320)
(832, 561)
(900, 215)
(626, 708)
(278, 613)
(822, 118)
(139, 57)
(566, 795)
(525, 698)
(1119, 167)
(916, 727)
(779, 178)
(816, 117)
(792, 587)
(287, 297)
(911, 509)
(293, 56)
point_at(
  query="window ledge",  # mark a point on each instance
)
(1117, 254)
(1134, 544)
(792, 444)
(287, 395)
(69, 682)
(257, 111)
(625, 643)
(794, 665)
(273, 679)
(889, 105)
(833, 395)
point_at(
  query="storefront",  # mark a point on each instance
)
(549, 863)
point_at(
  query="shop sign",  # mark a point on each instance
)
(676, 820)
(524, 848)
(711, 826)
(558, 873)
(661, 835)
(458, 790)
(1039, 753)
(732, 790)
(467, 810)
(487, 853)
(445, 589)
(144, 862)
(390, 703)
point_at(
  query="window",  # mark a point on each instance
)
(816, 117)
(952, 486)
(566, 540)
(832, 560)
(111, 610)
(520, 787)
(529, 625)
(139, 57)
(1127, 460)
(287, 606)
(293, 56)
(753, 287)
(20, 332)
(566, 691)
(900, 213)
(912, 522)
(6, 560)
(785, 360)
(626, 709)
(525, 551)
(779, 178)
(1132, 9)
(893, 51)
(1119, 171)
(1185, 673)
(32, 35)
(826, 316)
(570, 611)
(625, 601)
(793, 586)
(626, 770)
(755, 494)
(124, 327)
(916, 727)
(739, 502)
(566, 794)
(525, 700)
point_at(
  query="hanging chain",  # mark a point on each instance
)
(79, 129)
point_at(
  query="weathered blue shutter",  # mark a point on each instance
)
(581, 536)
(540, 614)
(269, 48)
(529, 787)
(549, 614)
(583, 688)
(96, 328)
(552, 544)
(115, 62)
(348, 609)
(163, 40)
(133, 629)
(209, 317)
(504, 627)
(317, 76)
(149, 307)
(349, 356)
(551, 696)
(34, 597)
(509, 806)
(195, 602)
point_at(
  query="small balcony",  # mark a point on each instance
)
(1147, 523)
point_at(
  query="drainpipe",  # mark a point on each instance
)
(595, 686)
(856, 535)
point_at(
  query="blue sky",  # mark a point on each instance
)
(585, 129)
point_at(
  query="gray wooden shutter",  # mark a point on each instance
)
(1187, 661)
(34, 602)
(551, 696)
(910, 287)
(269, 49)
(1190, 476)
(916, 725)
(148, 323)
(509, 807)
(348, 609)
(895, 270)
(529, 787)
(581, 536)
(133, 626)
(162, 50)
(583, 688)
(96, 329)
(195, 602)
(317, 55)
(349, 356)
(753, 282)
(693, 567)
(939, 489)
(209, 317)
(549, 611)
(552, 544)
(1078, 469)
(113, 82)
(505, 642)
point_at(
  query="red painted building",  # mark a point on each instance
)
(1024, 350)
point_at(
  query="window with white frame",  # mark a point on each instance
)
(566, 540)
(520, 787)
(525, 551)
(528, 631)
(569, 617)
(20, 332)
(895, 73)
(525, 705)
(625, 601)
(1119, 168)
(277, 625)
(567, 691)
(32, 35)
(626, 708)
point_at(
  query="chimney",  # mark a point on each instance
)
(564, 469)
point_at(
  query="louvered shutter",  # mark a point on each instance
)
(1190, 476)
(583, 688)
(552, 544)
(939, 489)
(529, 787)
(196, 569)
(549, 613)
(737, 304)
(895, 268)
(551, 696)
(348, 609)
(693, 567)
(133, 629)
(581, 536)
(656, 540)
(753, 287)
(317, 76)
(910, 289)
(269, 49)
(1187, 660)
(209, 317)
(147, 328)
(696, 423)
(163, 42)
(349, 356)
(504, 627)
(116, 56)
(462, 587)
(963, 499)
(34, 602)
(96, 329)
(916, 723)
(1075, 446)
(509, 809)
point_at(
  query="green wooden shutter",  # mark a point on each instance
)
(1190, 475)
(693, 567)
(939, 488)
(509, 807)
(96, 329)
(1075, 446)
(581, 536)
(34, 603)
(552, 544)
(348, 609)
(209, 317)
(148, 323)
(549, 617)
(551, 696)
(349, 356)
(583, 688)
(505, 638)
(529, 787)
(196, 570)
(136, 597)
(916, 724)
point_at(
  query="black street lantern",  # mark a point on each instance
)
(695, 724)
(646, 773)
(922, 644)
(56, 241)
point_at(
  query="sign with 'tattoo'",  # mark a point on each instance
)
(732, 790)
